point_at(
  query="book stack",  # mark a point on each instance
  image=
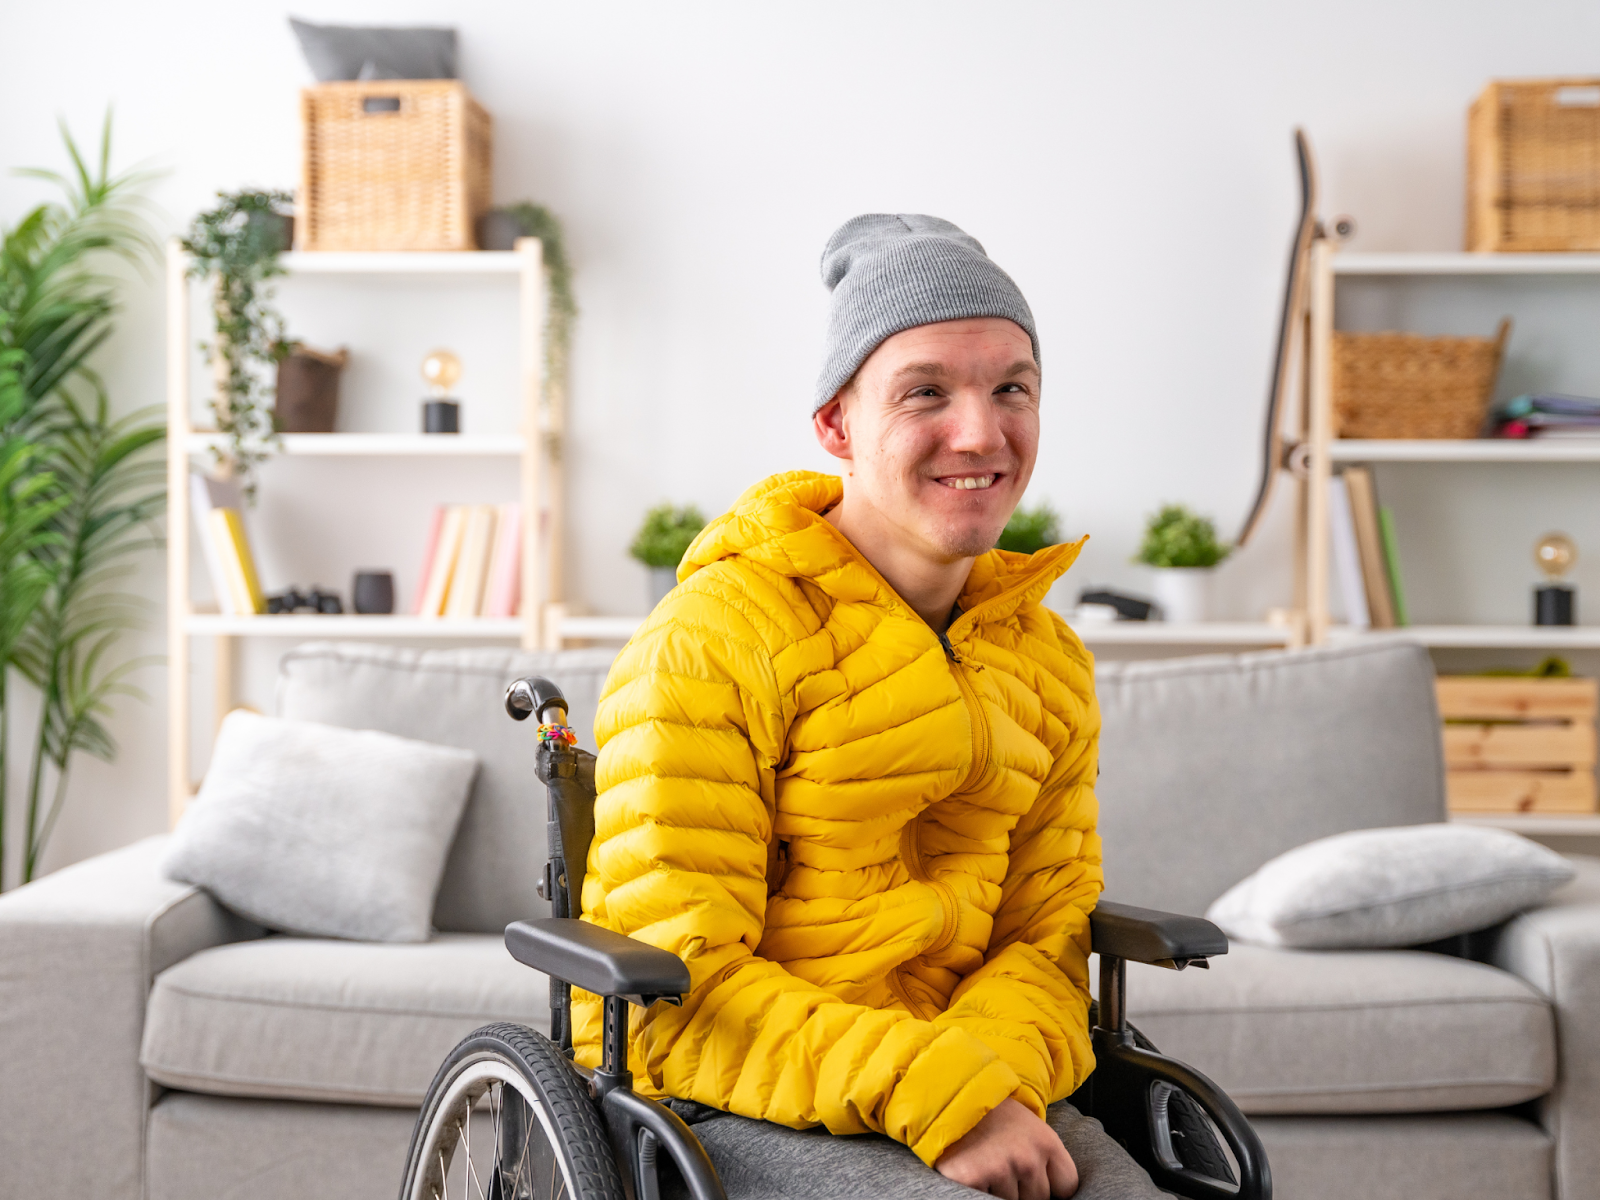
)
(219, 513)
(1365, 556)
(472, 563)
(1549, 415)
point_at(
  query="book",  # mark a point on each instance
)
(1391, 559)
(502, 596)
(429, 549)
(437, 593)
(227, 527)
(1369, 546)
(472, 565)
(1346, 554)
(205, 494)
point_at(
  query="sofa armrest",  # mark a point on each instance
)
(78, 950)
(1557, 949)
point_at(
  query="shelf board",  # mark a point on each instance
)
(1553, 824)
(1171, 633)
(395, 445)
(309, 625)
(401, 262)
(1475, 450)
(1464, 263)
(1486, 637)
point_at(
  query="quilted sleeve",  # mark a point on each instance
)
(1029, 1002)
(690, 730)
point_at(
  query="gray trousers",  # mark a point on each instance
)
(761, 1161)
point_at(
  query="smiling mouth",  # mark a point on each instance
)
(968, 483)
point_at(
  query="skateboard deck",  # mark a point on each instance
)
(1293, 317)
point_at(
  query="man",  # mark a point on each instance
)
(846, 774)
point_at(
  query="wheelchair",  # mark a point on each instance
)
(510, 1116)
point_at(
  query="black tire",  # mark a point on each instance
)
(549, 1141)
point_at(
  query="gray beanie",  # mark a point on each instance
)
(890, 272)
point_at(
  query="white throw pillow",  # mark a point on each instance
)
(1390, 887)
(319, 830)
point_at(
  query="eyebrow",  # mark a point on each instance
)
(933, 370)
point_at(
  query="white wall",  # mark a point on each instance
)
(1128, 164)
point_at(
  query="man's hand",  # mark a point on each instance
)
(1012, 1154)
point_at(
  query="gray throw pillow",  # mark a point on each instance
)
(1390, 887)
(317, 830)
(341, 52)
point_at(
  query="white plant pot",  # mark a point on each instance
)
(1183, 593)
(662, 581)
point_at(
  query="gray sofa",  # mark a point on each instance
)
(151, 1044)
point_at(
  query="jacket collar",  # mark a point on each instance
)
(778, 524)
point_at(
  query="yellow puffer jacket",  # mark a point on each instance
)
(877, 858)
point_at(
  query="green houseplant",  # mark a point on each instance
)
(661, 543)
(236, 245)
(1183, 548)
(1030, 530)
(89, 488)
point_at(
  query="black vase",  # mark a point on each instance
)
(373, 592)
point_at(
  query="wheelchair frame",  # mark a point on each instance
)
(1162, 1111)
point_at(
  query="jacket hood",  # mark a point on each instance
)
(779, 525)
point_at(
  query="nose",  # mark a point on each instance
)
(973, 425)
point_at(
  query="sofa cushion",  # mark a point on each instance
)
(1211, 766)
(1359, 1031)
(457, 698)
(312, 1019)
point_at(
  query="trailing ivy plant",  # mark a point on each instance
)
(236, 246)
(1030, 530)
(1176, 537)
(95, 478)
(537, 221)
(665, 535)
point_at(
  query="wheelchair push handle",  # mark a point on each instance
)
(534, 696)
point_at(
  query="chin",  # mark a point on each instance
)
(965, 543)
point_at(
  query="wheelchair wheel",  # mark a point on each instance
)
(508, 1118)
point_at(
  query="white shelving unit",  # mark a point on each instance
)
(1481, 450)
(1549, 824)
(539, 486)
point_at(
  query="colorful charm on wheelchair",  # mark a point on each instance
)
(549, 734)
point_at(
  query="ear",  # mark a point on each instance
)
(832, 428)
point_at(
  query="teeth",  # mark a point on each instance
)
(970, 482)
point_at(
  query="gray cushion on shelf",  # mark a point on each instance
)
(456, 698)
(1211, 766)
(315, 829)
(341, 52)
(1390, 887)
(311, 1019)
(1450, 1156)
(215, 1148)
(1371, 1031)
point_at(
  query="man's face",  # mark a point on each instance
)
(940, 428)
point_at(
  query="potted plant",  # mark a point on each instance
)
(661, 542)
(1183, 548)
(236, 244)
(1030, 530)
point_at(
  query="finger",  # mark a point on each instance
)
(1004, 1185)
(1063, 1173)
(1033, 1181)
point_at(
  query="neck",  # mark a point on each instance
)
(929, 585)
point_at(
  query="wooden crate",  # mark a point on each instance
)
(391, 164)
(1533, 166)
(1519, 745)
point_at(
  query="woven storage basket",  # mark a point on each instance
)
(1533, 166)
(1403, 385)
(392, 164)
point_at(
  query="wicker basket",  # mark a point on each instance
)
(1402, 385)
(1533, 166)
(392, 164)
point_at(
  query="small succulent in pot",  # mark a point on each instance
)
(1183, 547)
(662, 541)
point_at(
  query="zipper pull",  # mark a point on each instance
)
(950, 651)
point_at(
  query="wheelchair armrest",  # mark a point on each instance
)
(1148, 936)
(598, 960)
